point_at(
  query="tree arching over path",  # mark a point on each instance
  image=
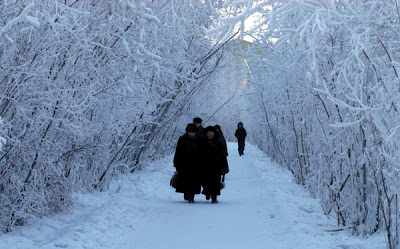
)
(330, 89)
(86, 87)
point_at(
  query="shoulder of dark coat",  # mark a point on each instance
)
(183, 138)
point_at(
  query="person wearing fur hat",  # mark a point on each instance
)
(212, 164)
(240, 134)
(200, 129)
(187, 161)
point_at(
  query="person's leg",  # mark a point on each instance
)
(241, 148)
(216, 187)
(191, 198)
(206, 191)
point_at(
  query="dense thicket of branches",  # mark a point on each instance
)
(330, 96)
(86, 89)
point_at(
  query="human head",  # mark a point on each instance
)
(197, 121)
(240, 125)
(218, 129)
(191, 130)
(210, 132)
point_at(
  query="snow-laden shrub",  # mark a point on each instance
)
(328, 80)
(86, 87)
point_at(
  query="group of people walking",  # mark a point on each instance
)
(201, 161)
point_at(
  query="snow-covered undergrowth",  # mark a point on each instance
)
(89, 89)
(326, 75)
(261, 207)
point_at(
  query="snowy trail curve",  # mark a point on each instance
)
(261, 207)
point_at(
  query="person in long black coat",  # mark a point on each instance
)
(187, 161)
(240, 134)
(212, 164)
(224, 153)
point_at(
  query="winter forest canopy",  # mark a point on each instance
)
(91, 90)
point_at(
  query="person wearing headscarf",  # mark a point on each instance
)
(212, 164)
(187, 161)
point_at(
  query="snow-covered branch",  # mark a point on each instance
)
(2, 139)
(242, 10)
(22, 17)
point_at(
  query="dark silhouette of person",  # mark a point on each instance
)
(240, 134)
(201, 132)
(187, 161)
(224, 153)
(212, 165)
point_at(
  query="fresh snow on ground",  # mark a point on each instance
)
(261, 207)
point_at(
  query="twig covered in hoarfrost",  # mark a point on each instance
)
(23, 17)
(143, 14)
(227, 24)
(2, 139)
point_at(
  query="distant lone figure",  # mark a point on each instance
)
(240, 134)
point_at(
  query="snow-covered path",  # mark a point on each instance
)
(261, 207)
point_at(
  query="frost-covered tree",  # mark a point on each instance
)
(88, 88)
(329, 89)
